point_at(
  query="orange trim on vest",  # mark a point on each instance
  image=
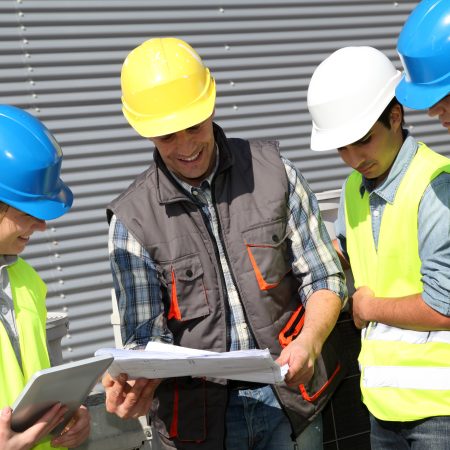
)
(174, 312)
(259, 278)
(293, 327)
(174, 424)
(314, 397)
(287, 335)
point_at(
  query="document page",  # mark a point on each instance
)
(160, 360)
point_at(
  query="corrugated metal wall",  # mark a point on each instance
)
(61, 60)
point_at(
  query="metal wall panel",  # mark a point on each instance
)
(61, 60)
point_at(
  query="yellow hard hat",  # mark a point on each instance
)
(165, 87)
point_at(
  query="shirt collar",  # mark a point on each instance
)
(5, 261)
(388, 188)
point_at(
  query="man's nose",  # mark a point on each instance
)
(39, 224)
(436, 110)
(182, 137)
(353, 157)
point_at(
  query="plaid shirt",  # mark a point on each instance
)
(138, 290)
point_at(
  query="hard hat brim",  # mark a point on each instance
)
(42, 207)
(179, 120)
(416, 96)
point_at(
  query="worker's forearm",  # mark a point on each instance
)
(321, 313)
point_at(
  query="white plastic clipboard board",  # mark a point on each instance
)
(68, 383)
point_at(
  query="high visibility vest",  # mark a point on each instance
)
(28, 293)
(405, 374)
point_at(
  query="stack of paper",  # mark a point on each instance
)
(166, 361)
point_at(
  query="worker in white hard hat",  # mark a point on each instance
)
(393, 230)
(219, 246)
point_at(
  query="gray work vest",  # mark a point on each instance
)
(250, 192)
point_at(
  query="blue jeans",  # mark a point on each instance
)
(426, 434)
(255, 421)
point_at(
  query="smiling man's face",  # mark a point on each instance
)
(16, 228)
(190, 153)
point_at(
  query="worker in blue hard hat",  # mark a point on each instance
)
(31, 192)
(424, 49)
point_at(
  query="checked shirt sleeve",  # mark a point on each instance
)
(313, 257)
(138, 290)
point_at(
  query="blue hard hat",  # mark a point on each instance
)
(424, 49)
(30, 162)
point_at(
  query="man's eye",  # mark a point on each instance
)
(166, 138)
(365, 140)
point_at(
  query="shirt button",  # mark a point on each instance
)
(194, 192)
(189, 273)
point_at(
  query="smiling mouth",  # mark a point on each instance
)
(191, 158)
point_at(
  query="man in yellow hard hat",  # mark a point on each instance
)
(219, 246)
(393, 228)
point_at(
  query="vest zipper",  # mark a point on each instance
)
(219, 227)
(206, 222)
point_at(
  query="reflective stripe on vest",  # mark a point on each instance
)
(393, 359)
(28, 293)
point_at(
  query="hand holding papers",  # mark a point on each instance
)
(166, 361)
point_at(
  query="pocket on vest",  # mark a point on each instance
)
(267, 249)
(329, 367)
(329, 370)
(184, 280)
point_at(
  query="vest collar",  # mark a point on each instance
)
(5, 261)
(388, 189)
(169, 189)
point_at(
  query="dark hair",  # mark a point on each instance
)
(3, 207)
(385, 115)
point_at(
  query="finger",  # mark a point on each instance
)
(135, 404)
(79, 421)
(69, 426)
(6, 434)
(109, 381)
(76, 431)
(46, 423)
(72, 439)
(5, 415)
(150, 388)
(116, 394)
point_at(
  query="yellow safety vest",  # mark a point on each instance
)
(28, 293)
(405, 374)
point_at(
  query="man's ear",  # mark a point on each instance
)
(396, 117)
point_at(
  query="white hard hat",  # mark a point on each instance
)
(347, 94)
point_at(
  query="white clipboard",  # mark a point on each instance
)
(68, 383)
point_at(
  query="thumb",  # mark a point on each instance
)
(5, 415)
